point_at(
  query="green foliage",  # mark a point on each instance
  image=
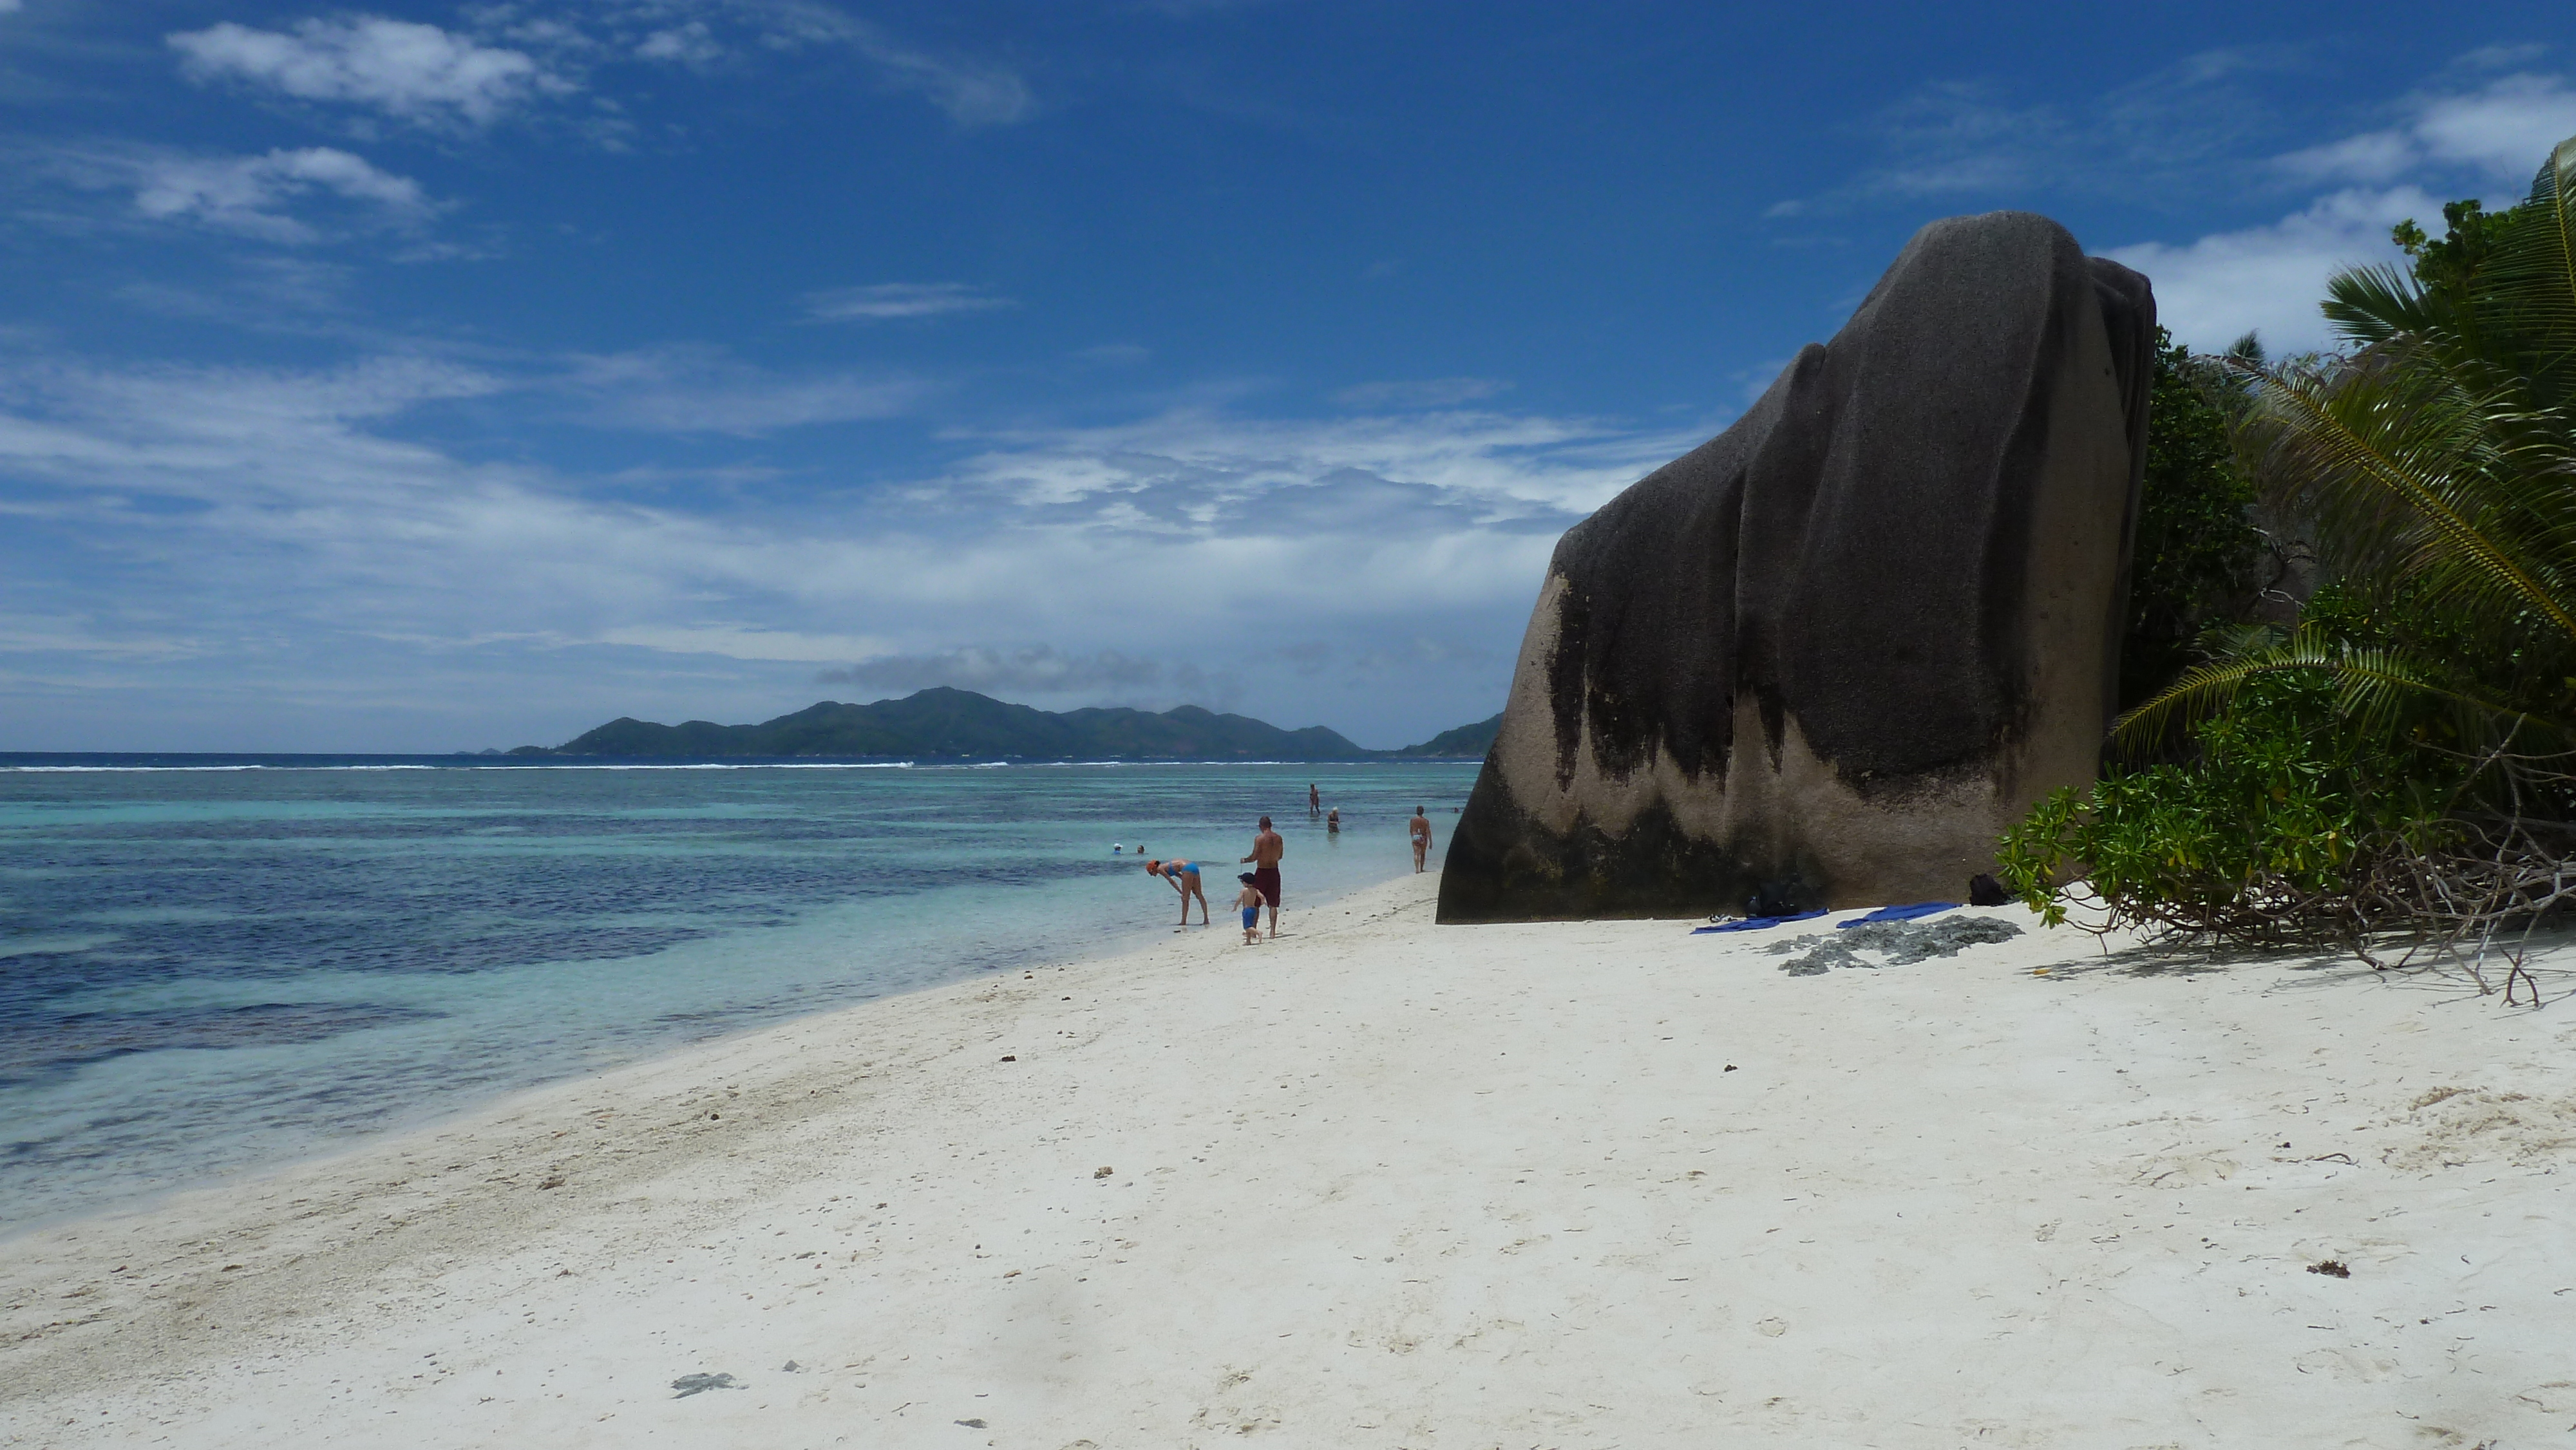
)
(2262, 839)
(2405, 758)
(2439, 466)
(2450, 264)
(2194, 551)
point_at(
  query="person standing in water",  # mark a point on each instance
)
(1314, 801)
(1267, 848)
(1420, 826)
(1184, 878)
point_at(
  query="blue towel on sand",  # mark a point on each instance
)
(1755, 923)
(1902, 913)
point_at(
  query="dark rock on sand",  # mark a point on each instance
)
(1827, 657)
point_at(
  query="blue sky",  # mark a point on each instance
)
(434, 376)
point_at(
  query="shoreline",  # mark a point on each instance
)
(1385, 1183)
(1133, 939)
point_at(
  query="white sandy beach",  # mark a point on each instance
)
(1386, 1184)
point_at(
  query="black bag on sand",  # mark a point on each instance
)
(1984, 890)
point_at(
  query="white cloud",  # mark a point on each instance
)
(691, 44)
(295, 541)
(2374, 156)
(243, 193)
(459, 80)
(2499, 132)
(253, 196)
(413, 72)
(2504, 129)
(2269, 279)
(1196, 472)
(881, 301)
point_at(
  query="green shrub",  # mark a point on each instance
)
(2268, 837)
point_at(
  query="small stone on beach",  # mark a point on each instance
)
(1100, 1172)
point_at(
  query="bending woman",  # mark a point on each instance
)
(1184, 876)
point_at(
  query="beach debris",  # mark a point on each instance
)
(1010, 1057)
(1730, 1067)
(1900, 943)
(1102, 1172)
(554, 1182)
(790, 1367)
(691, 1384)
(972, 1424)
(2331, 1268)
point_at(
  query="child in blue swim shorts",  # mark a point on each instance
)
(1251, 900)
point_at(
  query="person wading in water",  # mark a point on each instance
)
(1267, 848)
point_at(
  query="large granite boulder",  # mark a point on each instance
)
(1825, 658)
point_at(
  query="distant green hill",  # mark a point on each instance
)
(962, 725)
(1467, 740)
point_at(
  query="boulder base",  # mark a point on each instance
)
(1827, 657)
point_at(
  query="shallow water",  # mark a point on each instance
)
(204, 971)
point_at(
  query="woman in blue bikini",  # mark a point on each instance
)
(1184, 876)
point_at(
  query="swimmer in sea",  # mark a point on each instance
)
(1184, 878)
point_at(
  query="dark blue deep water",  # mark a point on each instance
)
(209, 964)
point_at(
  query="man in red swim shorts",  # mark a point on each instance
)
(1267, 848)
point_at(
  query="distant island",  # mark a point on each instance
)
(952, 724)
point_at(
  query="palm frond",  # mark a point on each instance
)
(2375, 304)
(2432, 476)
(2373, 686)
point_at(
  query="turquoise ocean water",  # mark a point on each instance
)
(209, 970)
